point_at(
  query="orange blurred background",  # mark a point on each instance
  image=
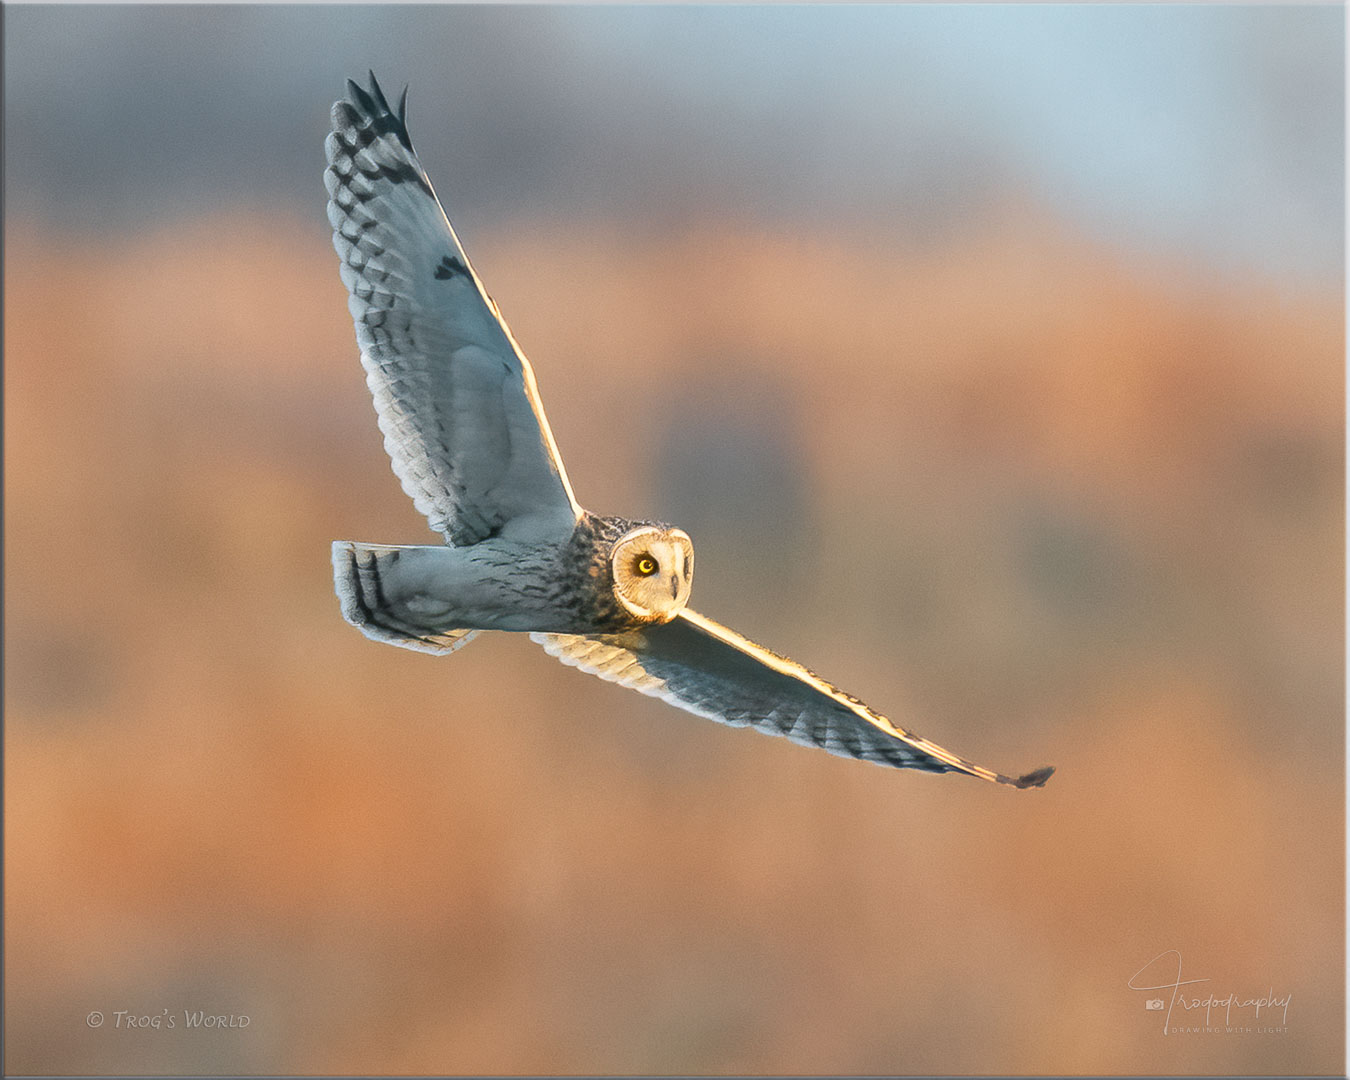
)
(1042, 496)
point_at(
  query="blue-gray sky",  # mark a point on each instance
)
(1203, 132)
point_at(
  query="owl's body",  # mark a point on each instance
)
(423, 593)
(466, 434)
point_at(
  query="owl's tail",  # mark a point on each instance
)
(373, 590)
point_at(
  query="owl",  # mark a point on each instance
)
(465, 429)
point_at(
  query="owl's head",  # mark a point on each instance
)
(653, 571)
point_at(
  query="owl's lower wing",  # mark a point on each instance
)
(707, 669)
(457, 402)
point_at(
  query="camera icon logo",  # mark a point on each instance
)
(1154, 1004)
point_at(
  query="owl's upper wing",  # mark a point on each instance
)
(707, 669)
(456, 398)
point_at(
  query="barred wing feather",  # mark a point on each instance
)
(704, 668)
(456, 398)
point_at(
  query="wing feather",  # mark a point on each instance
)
(707, 669)
(455, 396)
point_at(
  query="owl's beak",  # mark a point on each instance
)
(679, 571)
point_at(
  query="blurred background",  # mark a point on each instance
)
(992, 356)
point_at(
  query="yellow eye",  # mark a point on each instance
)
(645, 566)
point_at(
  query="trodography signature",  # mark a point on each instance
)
(1163, 973)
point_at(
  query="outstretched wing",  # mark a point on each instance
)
(707, 669)
(457, 402)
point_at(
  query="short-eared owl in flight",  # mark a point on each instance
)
(465, 429)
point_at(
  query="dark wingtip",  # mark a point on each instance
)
(362, 98)
(377, 93)
(1036, 778)
(375, 106)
